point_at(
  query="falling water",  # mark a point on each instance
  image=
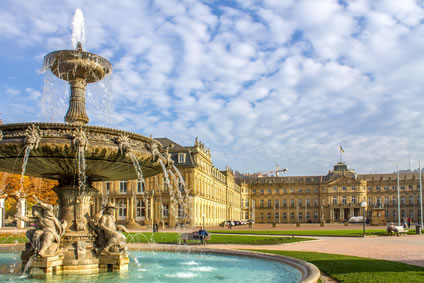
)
(137, 167)
(28, 149)
(29, 263)
(81, 168)
(78, 28)
(165, 173)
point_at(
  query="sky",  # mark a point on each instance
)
(260, 83)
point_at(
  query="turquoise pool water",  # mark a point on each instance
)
(175, 267)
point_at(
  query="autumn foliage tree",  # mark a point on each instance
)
(13, 188)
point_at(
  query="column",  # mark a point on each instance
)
(20, 223)
(2, 212)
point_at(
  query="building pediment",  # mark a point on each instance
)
(338, 180)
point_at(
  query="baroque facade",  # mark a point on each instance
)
(332, 198)
(208, 197)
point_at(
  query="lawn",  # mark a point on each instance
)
(173, 238)
(339, 233)
(357, 269)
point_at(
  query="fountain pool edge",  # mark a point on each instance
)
(310, 273)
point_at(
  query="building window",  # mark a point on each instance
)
(164, 184)
(369, 188)
(354, 199)
(300, 216)
(269, 203)
(386, 200)
(246, 215)
(316, 203)
(402, 213)
(300, 190)
(269, 191)
(247, 203)
(254, 190)
(140, 187)
(262, 203)
(181, 157)
(308, 203)
(269, 216)
(277, 217)
(370, 201)
(334, 188)
(284, 215)
(394, 213)
(165, 210)
(402, 188)
(308, 190)
(386, 214)
(262, 191)
(394, 200)
(386, 188)
(180, 211)
(277, 190)
(108, 186)
(411, 200)
(334, 200)
(292, 203)
(353, 188)
(123, 187)
(344, 200)
(284, 203)
(262, 217)
(315, 215)
(411, 188)
(299, 203)
(292, 215)
(308, 215)
(285, 191)
(277, 203)
(122, 208)
(394, 187)
(344, 188)
(402, 200)
(378, 188)
(140, 208)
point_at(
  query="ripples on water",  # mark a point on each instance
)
(178, 267)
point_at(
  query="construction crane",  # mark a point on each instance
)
(276, 171)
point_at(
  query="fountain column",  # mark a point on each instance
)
(76, 111)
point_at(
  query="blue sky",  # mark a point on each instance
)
(259, 82)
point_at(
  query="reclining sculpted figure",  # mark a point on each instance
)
(109, 237)
(44, 239)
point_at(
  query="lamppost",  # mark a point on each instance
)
(364, 206)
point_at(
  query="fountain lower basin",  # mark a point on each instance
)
(194, 266)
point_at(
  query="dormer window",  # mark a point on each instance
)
(181, 157)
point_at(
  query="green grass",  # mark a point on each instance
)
(338, 233)
(12, 238)
(357, 269)
(173, 238)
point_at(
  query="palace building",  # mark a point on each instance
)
(211, 196)
(332, 198)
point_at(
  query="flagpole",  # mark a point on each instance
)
(421, 195)
(398, 200)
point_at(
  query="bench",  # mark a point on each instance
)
(398, 230)
(193, 236)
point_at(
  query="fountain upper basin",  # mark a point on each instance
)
(69, 65)
(55, 155)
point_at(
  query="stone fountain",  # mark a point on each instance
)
(76, 154)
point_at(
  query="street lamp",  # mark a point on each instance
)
(364, 206)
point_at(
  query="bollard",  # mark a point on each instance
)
(418, 229)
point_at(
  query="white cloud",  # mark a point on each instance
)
(260, 82)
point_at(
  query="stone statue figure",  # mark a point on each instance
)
(44, 239)
(109, 236)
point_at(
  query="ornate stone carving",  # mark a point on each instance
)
(153, 147)
(44, 239)
(1, 135)
(109, 235)
(124, 144)
(33, 136)
(79, 139)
